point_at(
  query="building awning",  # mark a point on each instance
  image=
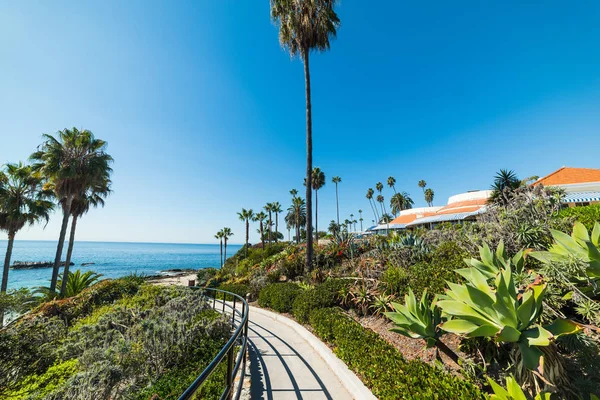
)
(581, 197)
(383, 227)
(446, 217)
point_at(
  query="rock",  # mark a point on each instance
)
(35, 264)
(84, 264)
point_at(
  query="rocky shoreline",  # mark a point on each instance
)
(35, 264)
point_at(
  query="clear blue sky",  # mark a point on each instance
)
(204, 113)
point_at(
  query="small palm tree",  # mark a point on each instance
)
(379, 187)
(318, 181)
(422, 185)
(226, 235)
(260, 218)
(297, 215)
(23, 201)
(336, 180)
(219, 236)
(246, 216)
(93, 196)
(77, 282)
(505, 182)
(72, 161)
(276, 209)
(306, 25)
(294, 193)
(401, 201)
(369, 196)
(269, 208)
(391, 181)
(429, 196)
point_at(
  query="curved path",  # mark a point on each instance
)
(283, 365)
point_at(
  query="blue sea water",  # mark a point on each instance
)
(112, 259)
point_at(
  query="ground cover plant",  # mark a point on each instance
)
(120, 339)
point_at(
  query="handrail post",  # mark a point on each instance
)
(233, 313)
(230, 356)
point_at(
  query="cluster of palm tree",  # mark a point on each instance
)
(428, 193)
(70, 169)
(223, 236)
(398, 202)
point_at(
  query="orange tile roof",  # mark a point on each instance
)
(408, 218)
(463, 209)
(463, 206)
(568, 175)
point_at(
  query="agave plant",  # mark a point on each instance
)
(512, 392)
(491, 262)
(362, 297)
(502, 312)
(420, 320)
(381, 304)
(578, 246)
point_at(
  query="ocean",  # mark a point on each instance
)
(111, 259)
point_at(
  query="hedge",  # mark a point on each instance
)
(587, 215)
(381, 367)
(279, 296)
(322, 296)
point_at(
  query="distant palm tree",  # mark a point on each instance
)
(304, 26)
(93, 196)
(318, 181)
(386, 218)
(333, 227)
(360, 219)
(297, 215)
(422, 185)
(336, 180)
(219, 236)
(226, 235)
(269, 208)
(429, 196)
(347, 224)
(23, 201)
(379, 187)
(260, 218)
(380, 200)
(71, 162)
(246, 216)
(369, 196)
(401, 201)
(294, 193)
(276, 208)
(391, 181)
(354, 223)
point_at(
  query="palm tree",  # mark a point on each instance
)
(369, 196)
(294, 193)
(269, 208)
(429, 196)
(246, 216)
(422, 185)
(360, 219)
(354, 223)
(318, 181)
(72, 161)
(23, 201)
(276, 209)
(226, 235)
(333, 227)
(260, 217)
(380, 200)
(379, 187)
(297, 215)
(401, 201)
(306, 25)
(386, 218)
(219, 236)
(505, 182)
(391, 181)
(347, 224)
(93, 196)
(336, 180)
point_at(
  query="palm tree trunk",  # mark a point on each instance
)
(9, 249)
(225, 251)
(269, 227)
(317, 217)
(309, 241)
(337, 204)
(63, 288)
(247, 235)
(221, 249)
(61, 243)
(262, 236)
(276, 226)
(374, 209)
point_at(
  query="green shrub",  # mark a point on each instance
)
(381, 367)
(396, 280)
(312, 299)
(237, 288)
(279, 296)
(587, 215)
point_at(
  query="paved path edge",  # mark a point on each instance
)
(348, 378)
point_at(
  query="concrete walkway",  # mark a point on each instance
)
(283, 365)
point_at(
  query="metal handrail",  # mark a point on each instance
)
(239, 337)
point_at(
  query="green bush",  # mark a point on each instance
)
(587, 215)
(396, 280)
(237, 288)
(381, 367)
(279, 296)
(311, 299)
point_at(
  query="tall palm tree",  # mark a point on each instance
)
(23, 201)
(347, 225)
(276, 209)
(260, 218)
(369, 196)
(391, 181)
(93, 196)
(401, 201)
(379, 187)
(226, 235)
(318, 181)
(306, 25)
(429, 196)
(336, 180)
(269, 208)
(219, 236)
(246, 216)
(380, 200)
(422, 185)
(72, 161)
(360, 219)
